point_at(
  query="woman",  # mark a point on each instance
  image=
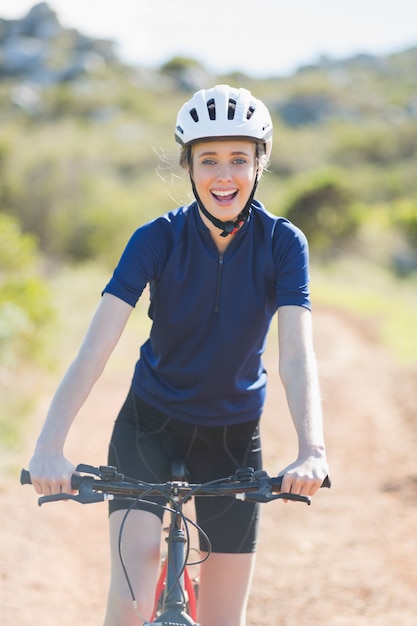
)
(218, 270)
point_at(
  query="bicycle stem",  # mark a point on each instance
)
(174, 602)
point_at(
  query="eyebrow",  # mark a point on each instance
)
(214, 153)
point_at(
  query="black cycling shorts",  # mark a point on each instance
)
(144, 443)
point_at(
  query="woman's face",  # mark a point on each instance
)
(224, 174)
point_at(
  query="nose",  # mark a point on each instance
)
(224, 171)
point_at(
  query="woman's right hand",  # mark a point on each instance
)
(51, 473)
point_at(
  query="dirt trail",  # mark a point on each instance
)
(348, 559)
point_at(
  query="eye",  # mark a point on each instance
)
(208, 162)
(240, 161)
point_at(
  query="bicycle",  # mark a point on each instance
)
(96, 484)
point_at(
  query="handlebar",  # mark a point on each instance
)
(95, 484)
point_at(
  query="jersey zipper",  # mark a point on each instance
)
(219, 280)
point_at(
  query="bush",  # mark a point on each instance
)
(378, 143)
(405, 218)
(322, 206)
(25, 308)
(79, 190)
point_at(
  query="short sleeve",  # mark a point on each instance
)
(140, 262)
(291, 259)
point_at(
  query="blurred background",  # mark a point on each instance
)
(89, 92)
(88, 98)
(87, 151)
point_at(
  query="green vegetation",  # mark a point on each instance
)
(84, 165)
(25, 315)
(84, 162)
(25, 308)
(322, 206)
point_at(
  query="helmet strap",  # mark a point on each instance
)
(228, 227)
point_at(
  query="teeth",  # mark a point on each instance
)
(224, 194)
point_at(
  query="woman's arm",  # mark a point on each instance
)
(50, 471)
(298, 372)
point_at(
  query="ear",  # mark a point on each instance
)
(262, 164)
(259, 168)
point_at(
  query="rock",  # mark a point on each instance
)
(38, 49)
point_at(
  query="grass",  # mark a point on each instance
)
(373, 293)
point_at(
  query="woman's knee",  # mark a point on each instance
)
(225, 582)
(132, 583)
(122, 611)
(139, 543)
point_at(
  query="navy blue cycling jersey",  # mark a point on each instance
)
(210, 313)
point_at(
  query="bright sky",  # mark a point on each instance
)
(258, 37)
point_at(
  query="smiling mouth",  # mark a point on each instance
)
(224, 196)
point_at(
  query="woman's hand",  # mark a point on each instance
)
(51, 473)
(306, 475)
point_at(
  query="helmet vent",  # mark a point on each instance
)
(231, 109)
(194, 114)
(250, 112)
(211, 108)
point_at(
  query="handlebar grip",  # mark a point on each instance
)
(277, 482)
(25, 479)
(327, 482)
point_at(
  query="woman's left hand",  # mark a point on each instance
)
(306, 475)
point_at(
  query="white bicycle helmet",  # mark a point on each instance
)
(224, 111)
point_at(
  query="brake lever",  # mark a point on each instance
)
(84, 496)
(263, 497)
(296, 497)
(56, 497)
